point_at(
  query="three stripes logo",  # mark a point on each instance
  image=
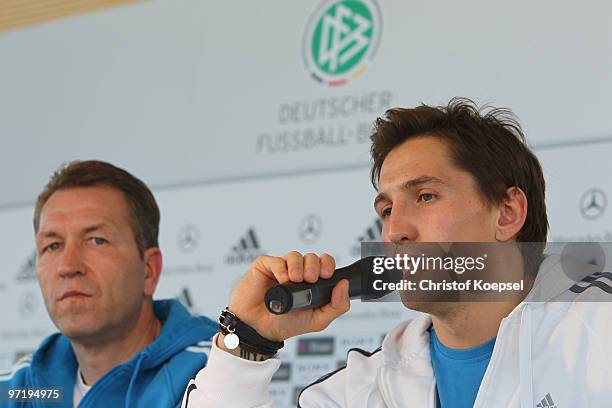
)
(245, 251)
(547, 402)
(371, 234)
(601, 280)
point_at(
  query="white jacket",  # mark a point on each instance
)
(554, 354)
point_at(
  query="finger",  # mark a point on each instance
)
(295, 266)
(279, 268)
(339, 304)
(273, 269)
(328, 266)
(312, 267)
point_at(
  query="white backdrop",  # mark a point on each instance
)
(204, 101)
(180, 90)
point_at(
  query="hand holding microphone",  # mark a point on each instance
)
(246, 300)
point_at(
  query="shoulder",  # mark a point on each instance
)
(186, 363)
(592, 302)
(17, 375)
(209, 326)
(584, 311)
(595, 287)
(53, 349)
(202, 347)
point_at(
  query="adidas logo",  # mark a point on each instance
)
(372, 233)
(27, 271)
(547, 402)
(245, 251)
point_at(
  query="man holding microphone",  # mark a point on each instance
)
(443, 174)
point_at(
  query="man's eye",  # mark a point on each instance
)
(52, 247)
(426, 197)
(98, 241)
(386, 212)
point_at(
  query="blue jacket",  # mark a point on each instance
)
(155, 377)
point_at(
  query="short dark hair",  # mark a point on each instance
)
(488, 143)
(144, 212)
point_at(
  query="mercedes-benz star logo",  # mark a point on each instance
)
(188, 238)
(593, 203)
(310, 228)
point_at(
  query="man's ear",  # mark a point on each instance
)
(153, 266)
(512, 215)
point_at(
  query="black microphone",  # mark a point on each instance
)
(281, 299)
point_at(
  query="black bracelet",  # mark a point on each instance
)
(237, 333)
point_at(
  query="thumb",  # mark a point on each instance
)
(339, 304)
(340, 301)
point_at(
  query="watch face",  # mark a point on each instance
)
(231, 341)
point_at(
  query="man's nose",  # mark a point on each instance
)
(400, 226)
(71, 261)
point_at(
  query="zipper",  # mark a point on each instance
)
(499, 344)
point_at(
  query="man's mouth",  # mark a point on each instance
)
(73, 294)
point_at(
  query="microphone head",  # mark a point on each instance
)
(279, 299)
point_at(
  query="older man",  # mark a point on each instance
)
(99, 263)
